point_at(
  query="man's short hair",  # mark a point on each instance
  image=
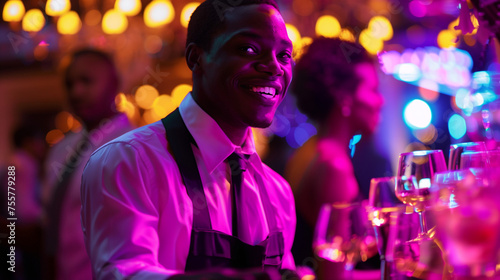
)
(208, 19)
(324, 73)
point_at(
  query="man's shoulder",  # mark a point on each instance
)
(145, 137)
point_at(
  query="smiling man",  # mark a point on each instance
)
(190, 193)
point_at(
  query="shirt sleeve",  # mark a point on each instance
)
(119, 217)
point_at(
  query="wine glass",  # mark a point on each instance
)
(456, 151)
(480, 159)
(382, 201)
(415, 170)
(465, 206)
(334, 239)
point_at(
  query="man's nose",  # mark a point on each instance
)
(270, 64)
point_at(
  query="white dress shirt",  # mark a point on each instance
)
(137, 216)
(71, 258)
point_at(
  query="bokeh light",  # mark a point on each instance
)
(347, 35)
(57, 7)
(381, 28)
(293, 34)
(163, 106)
(328, 26)
(128, 7)
(187, 11)
(114, 22)
(447, 39)
(371, 44)
(179, 92)
(124, 105)
(417, 114)
(158, 13)
(64, 121)
(13, 10)
(33, 20)
(145, 95)
(69, 23)
(417, 8)
(426, 135)
(457, 126)
(54, 136)
(407, 72)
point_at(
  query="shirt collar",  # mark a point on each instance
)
(213, 143)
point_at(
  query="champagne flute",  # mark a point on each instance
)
(456, 151)
(415, 170)
(334, 239)
(382, 201)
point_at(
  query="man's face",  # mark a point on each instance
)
(91, 88)
(248, 69)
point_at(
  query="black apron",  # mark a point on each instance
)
(210, 248)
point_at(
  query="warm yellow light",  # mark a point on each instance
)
(128, 7)
(380, 27)
(328, 26)
(371, 44)
(293, 34)
(57, 7)
(158, 13)
(187, 11)
(150, 116)
(114, 22)
(179, 92)
(447, 39)
(347, 35)
(13, 10)
(163, 105)
(145, 95)
(33, 20)
(125, 106)
(69, 23)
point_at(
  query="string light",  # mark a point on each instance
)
(33, 20)
(158, 13)
(57, 7)
(13, 10)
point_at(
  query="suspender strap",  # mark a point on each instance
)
(180, 141)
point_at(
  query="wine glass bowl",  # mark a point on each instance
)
(415, 172)
(457, 150)
(467, 212)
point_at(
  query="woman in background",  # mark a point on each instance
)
(336, 85)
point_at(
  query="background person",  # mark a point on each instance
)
(336, 85)
(92, 82)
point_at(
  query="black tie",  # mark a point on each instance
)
(237, 165)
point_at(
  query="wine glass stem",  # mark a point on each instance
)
(423, 225)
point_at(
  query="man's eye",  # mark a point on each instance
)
(285, 56)
(249, 50)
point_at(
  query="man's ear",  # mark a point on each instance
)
(193, 56)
